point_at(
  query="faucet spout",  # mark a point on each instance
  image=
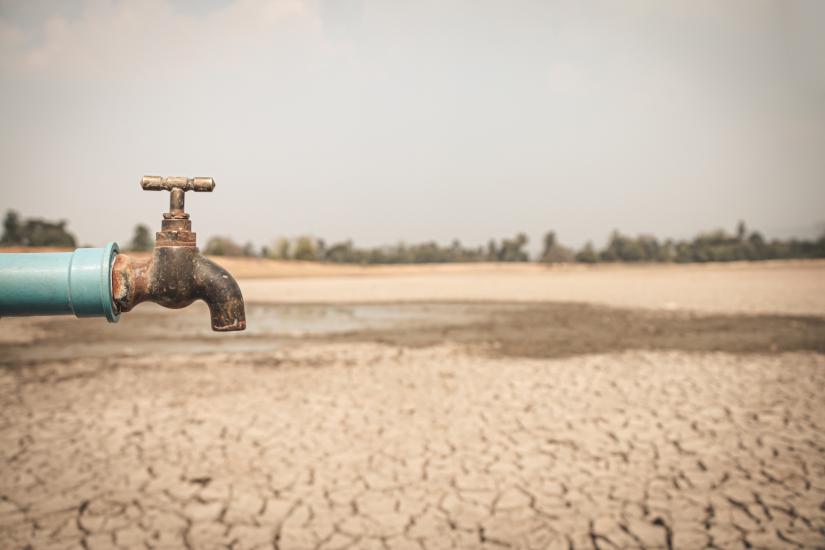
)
(220, 291)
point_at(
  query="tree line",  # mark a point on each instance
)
(311, 249)
(711, 246)
(34, 232)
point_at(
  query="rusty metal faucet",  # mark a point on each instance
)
(176, 275)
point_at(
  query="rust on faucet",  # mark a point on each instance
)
(177, 274)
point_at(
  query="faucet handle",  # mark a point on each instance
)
(158, 183)
(177, 186)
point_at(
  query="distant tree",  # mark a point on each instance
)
(819, 251)
(511, 250)
(142, 239)
(281, 249)
(609, 253)
(320, 250)
(341, 253)
(756, 239)
(35, 232)
(44, 233)
(621, 248)
(758, 246)
(741, 231)
(456, 251)
(554, 252)
(667, 251)
(223, 246)
(11, 228)
(718, 246)
(215, 247)
(492, 251)
(651, 250)
(587, 254)
(304, 249)
(549, 243)
(248, 249)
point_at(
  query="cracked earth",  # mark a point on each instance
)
(368, 445)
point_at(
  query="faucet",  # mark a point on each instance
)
(176, 275)
(98, 282)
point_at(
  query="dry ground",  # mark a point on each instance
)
(428, 425)
(787, 287)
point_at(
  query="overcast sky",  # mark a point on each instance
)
(384, 121)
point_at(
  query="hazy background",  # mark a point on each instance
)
(386, 121)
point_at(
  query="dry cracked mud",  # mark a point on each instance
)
(454, 444)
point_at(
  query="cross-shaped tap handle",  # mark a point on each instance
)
(177, 186)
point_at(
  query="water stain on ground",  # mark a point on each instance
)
(563, 330)
(540, 330)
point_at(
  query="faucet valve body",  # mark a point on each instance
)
(177, 274)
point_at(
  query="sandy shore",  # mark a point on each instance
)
(796, 288)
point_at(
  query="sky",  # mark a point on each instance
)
(385, 121)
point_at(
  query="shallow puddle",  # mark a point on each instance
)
(152, 329)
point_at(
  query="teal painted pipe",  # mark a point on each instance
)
(59, 283)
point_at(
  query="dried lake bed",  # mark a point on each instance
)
(425, 414)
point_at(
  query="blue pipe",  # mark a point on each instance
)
(59, 283)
